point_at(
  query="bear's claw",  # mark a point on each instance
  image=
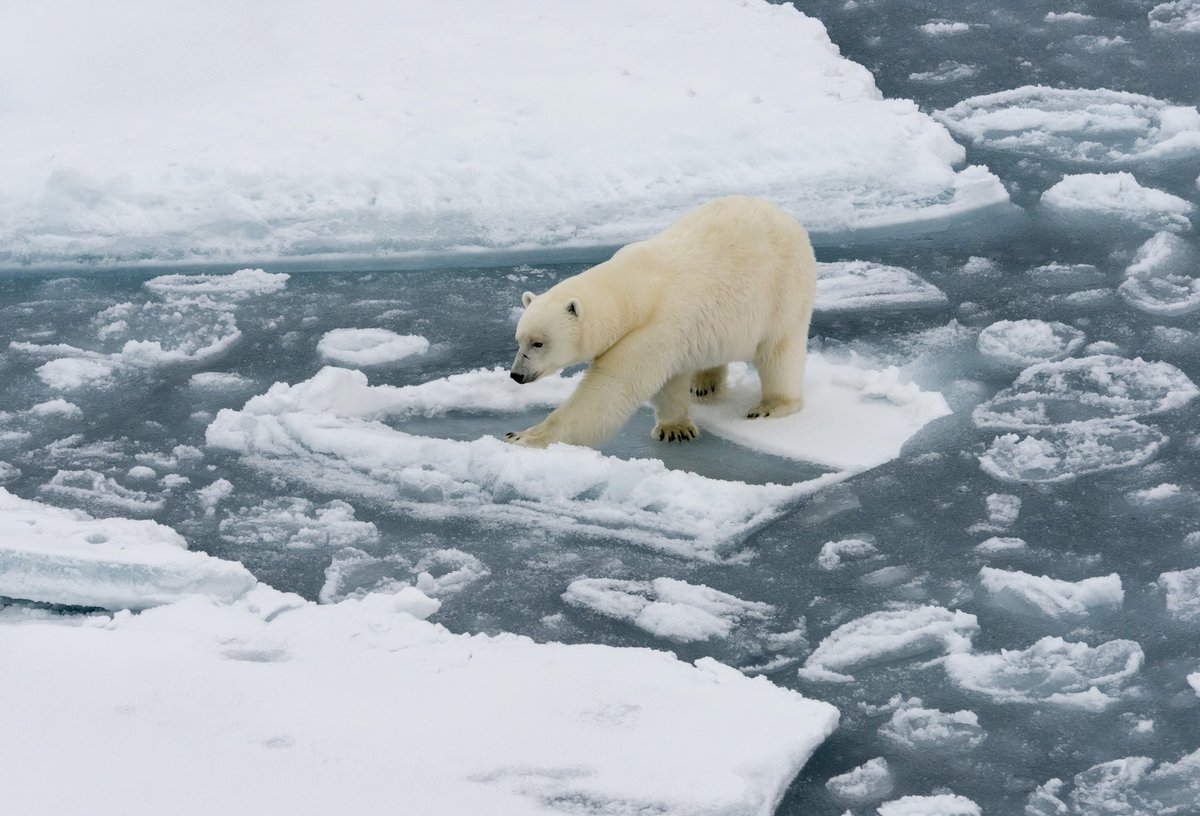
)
(676, 433)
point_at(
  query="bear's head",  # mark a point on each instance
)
(547, 336)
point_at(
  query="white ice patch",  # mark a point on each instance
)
(945, 72)
(1164, 277)
(941, 804)
(241, 284)
(296, 523)
(834, 553)
(666, 607)
(1098, 201)
(867, 783)
(1086, 388)
(218, 380)
(1182, 591)
(943, 28)
(1051, 671)
(1064, 277)
(1049, 597)
(94, 490)
(439, 573)
(369, 347)
(266, 690)
(1100, 127)
(1072, 450)
(260, 146)
(1001, 546)
(1158, 494)
(1020, 343)
(58, 556)
(890, 635)
(850, 286)
(1176, 17)
(919, 729)
(1003, 510)
(1131, 786)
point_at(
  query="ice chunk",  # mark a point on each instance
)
(1002, 509)
(1155, 495)
(946, 71)
(916, 728)
(459, 723)
(1066, 452)
(1001, 546)
(834, 552)
(212, 495)
(891, 635)
(369, 347)
(942, 804)
(354, 573)
(239, 285)
(867, 783)
(447, 571)
(93, 489)
(1067, 17)
(9, 473)
(1062, 276)
(297, 523)
(1049, 597)
(1193, 680)
(1131, 786)
(1101, 200)
(1097, 387)
(942, 28)
(1051, 671)
(218, 380)
(851, 286)
(1182, 590)
(1164, 277)
(1100, 127)
(1021, 343)
(58, 556)
(1176, 17)
(666, 607)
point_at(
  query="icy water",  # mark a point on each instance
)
(960, 521)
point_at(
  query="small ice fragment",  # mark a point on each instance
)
(1020, 343)
(942, 804)
(241, 284)
(297, 523)
(1072, 450)
(1182, 591)
(142, 473)
(1154, 495)
(1176, 17)
(1164, 277)
(946, 71)
(369, 347)
(867, 783)
(834, 552)
(218, 380)
(1051, 598)
(1067, 17)
(1002, 509)
(1065, 277)
(1098, 201)
(56, 407)
(212, 495)
(942, 28)
(93, 489)
(1130, 786)
(1001, 546)
(892, 635)
(1193, 680)
(851, 286)
(921, 729)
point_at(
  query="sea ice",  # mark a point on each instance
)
(1003, 510)
(238, 285)
(1176, 17)
(296, 523)
(1049, 597)
(1020, 343)
(1182, 591)
(833, 553)
(369, 347)
(1155, 495)
(946, 71)
(1086, 388)
(1052, 671)
(58, 556)
(916, 728)
(942, 28)
(996, 545)
(891, 635)
(867, 783)
(941, 804)
(1076, 449)
(1099, 201)
(1066, 277)
(1131, 786)
(93, 489)
(439, 573)
(850, 286)
(1100, 127)
(666, 607)
(1164, 277)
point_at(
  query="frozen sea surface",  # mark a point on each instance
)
(981, 543)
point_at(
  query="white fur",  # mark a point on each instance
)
(732, 280)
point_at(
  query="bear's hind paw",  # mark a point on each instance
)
(679, 432)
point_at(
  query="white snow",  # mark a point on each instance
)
(1131, 786)
(380, 707)
(369, 347)
(297, 523)
(848, 286)
(916, 728)
(1182, 591)
(58, 556)
(1097, 201)
(271, 131)
(1020, 343)
(667, 607)
(1068, 451)
(1052, 671)
(1049, 597)
(941, 804)
(1100, 127)
(833, 553)
(1176, 17)
(891, 635)
(1164, 277)
(867, 783)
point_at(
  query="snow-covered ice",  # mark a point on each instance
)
(1066, 276)
(238, 285)
(290, 521)
(849, 286)
(1068, 451)
(1020, 343)
(1130, 786)
(1003, 509)
(867, 783)
(834, 553)
(1047, 597)
(940, 804)
(1176, 17)
(1164, 277)
(916, 728)
(1181, 589)
(1099, 201)
(369, 347)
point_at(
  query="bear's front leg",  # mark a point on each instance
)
(535, 437)
(671, 411)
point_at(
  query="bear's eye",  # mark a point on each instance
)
(538, 344)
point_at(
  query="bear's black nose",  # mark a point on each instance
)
(518, 377)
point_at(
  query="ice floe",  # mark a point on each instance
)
(439, 573)
(887, 636)
(1076, 449)
(916, 728)
(1051, 598)
(946, 71)
(1087, 388)
(867, 783)
(1176, 17)
(1131, 786)
(848, 286)
(1100, 127)
(1020, 343)
(1164, 277)
(940, 804)
(1003, 509)
(1001, 545)
(369, 347)
(92, 489)
(1051, 671)
(834, 553)
(58, 556)
(666, 607)
(1098, 201)
(258, 694)
(1066, 276)
(1181, 589)
(238, 285)
(291, 154)
(297, 523)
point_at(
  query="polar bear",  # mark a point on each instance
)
(731, 280)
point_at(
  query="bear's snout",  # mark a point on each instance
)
(518, 377)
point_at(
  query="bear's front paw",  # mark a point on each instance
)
(776, 408)
(675, 432)
(526, 439)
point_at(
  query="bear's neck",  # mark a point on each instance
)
(617, 311)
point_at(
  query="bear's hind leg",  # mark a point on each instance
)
(671, 404)
(707, 383)
(781, 370)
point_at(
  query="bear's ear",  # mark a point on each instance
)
(527, 298)
(573, 307)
